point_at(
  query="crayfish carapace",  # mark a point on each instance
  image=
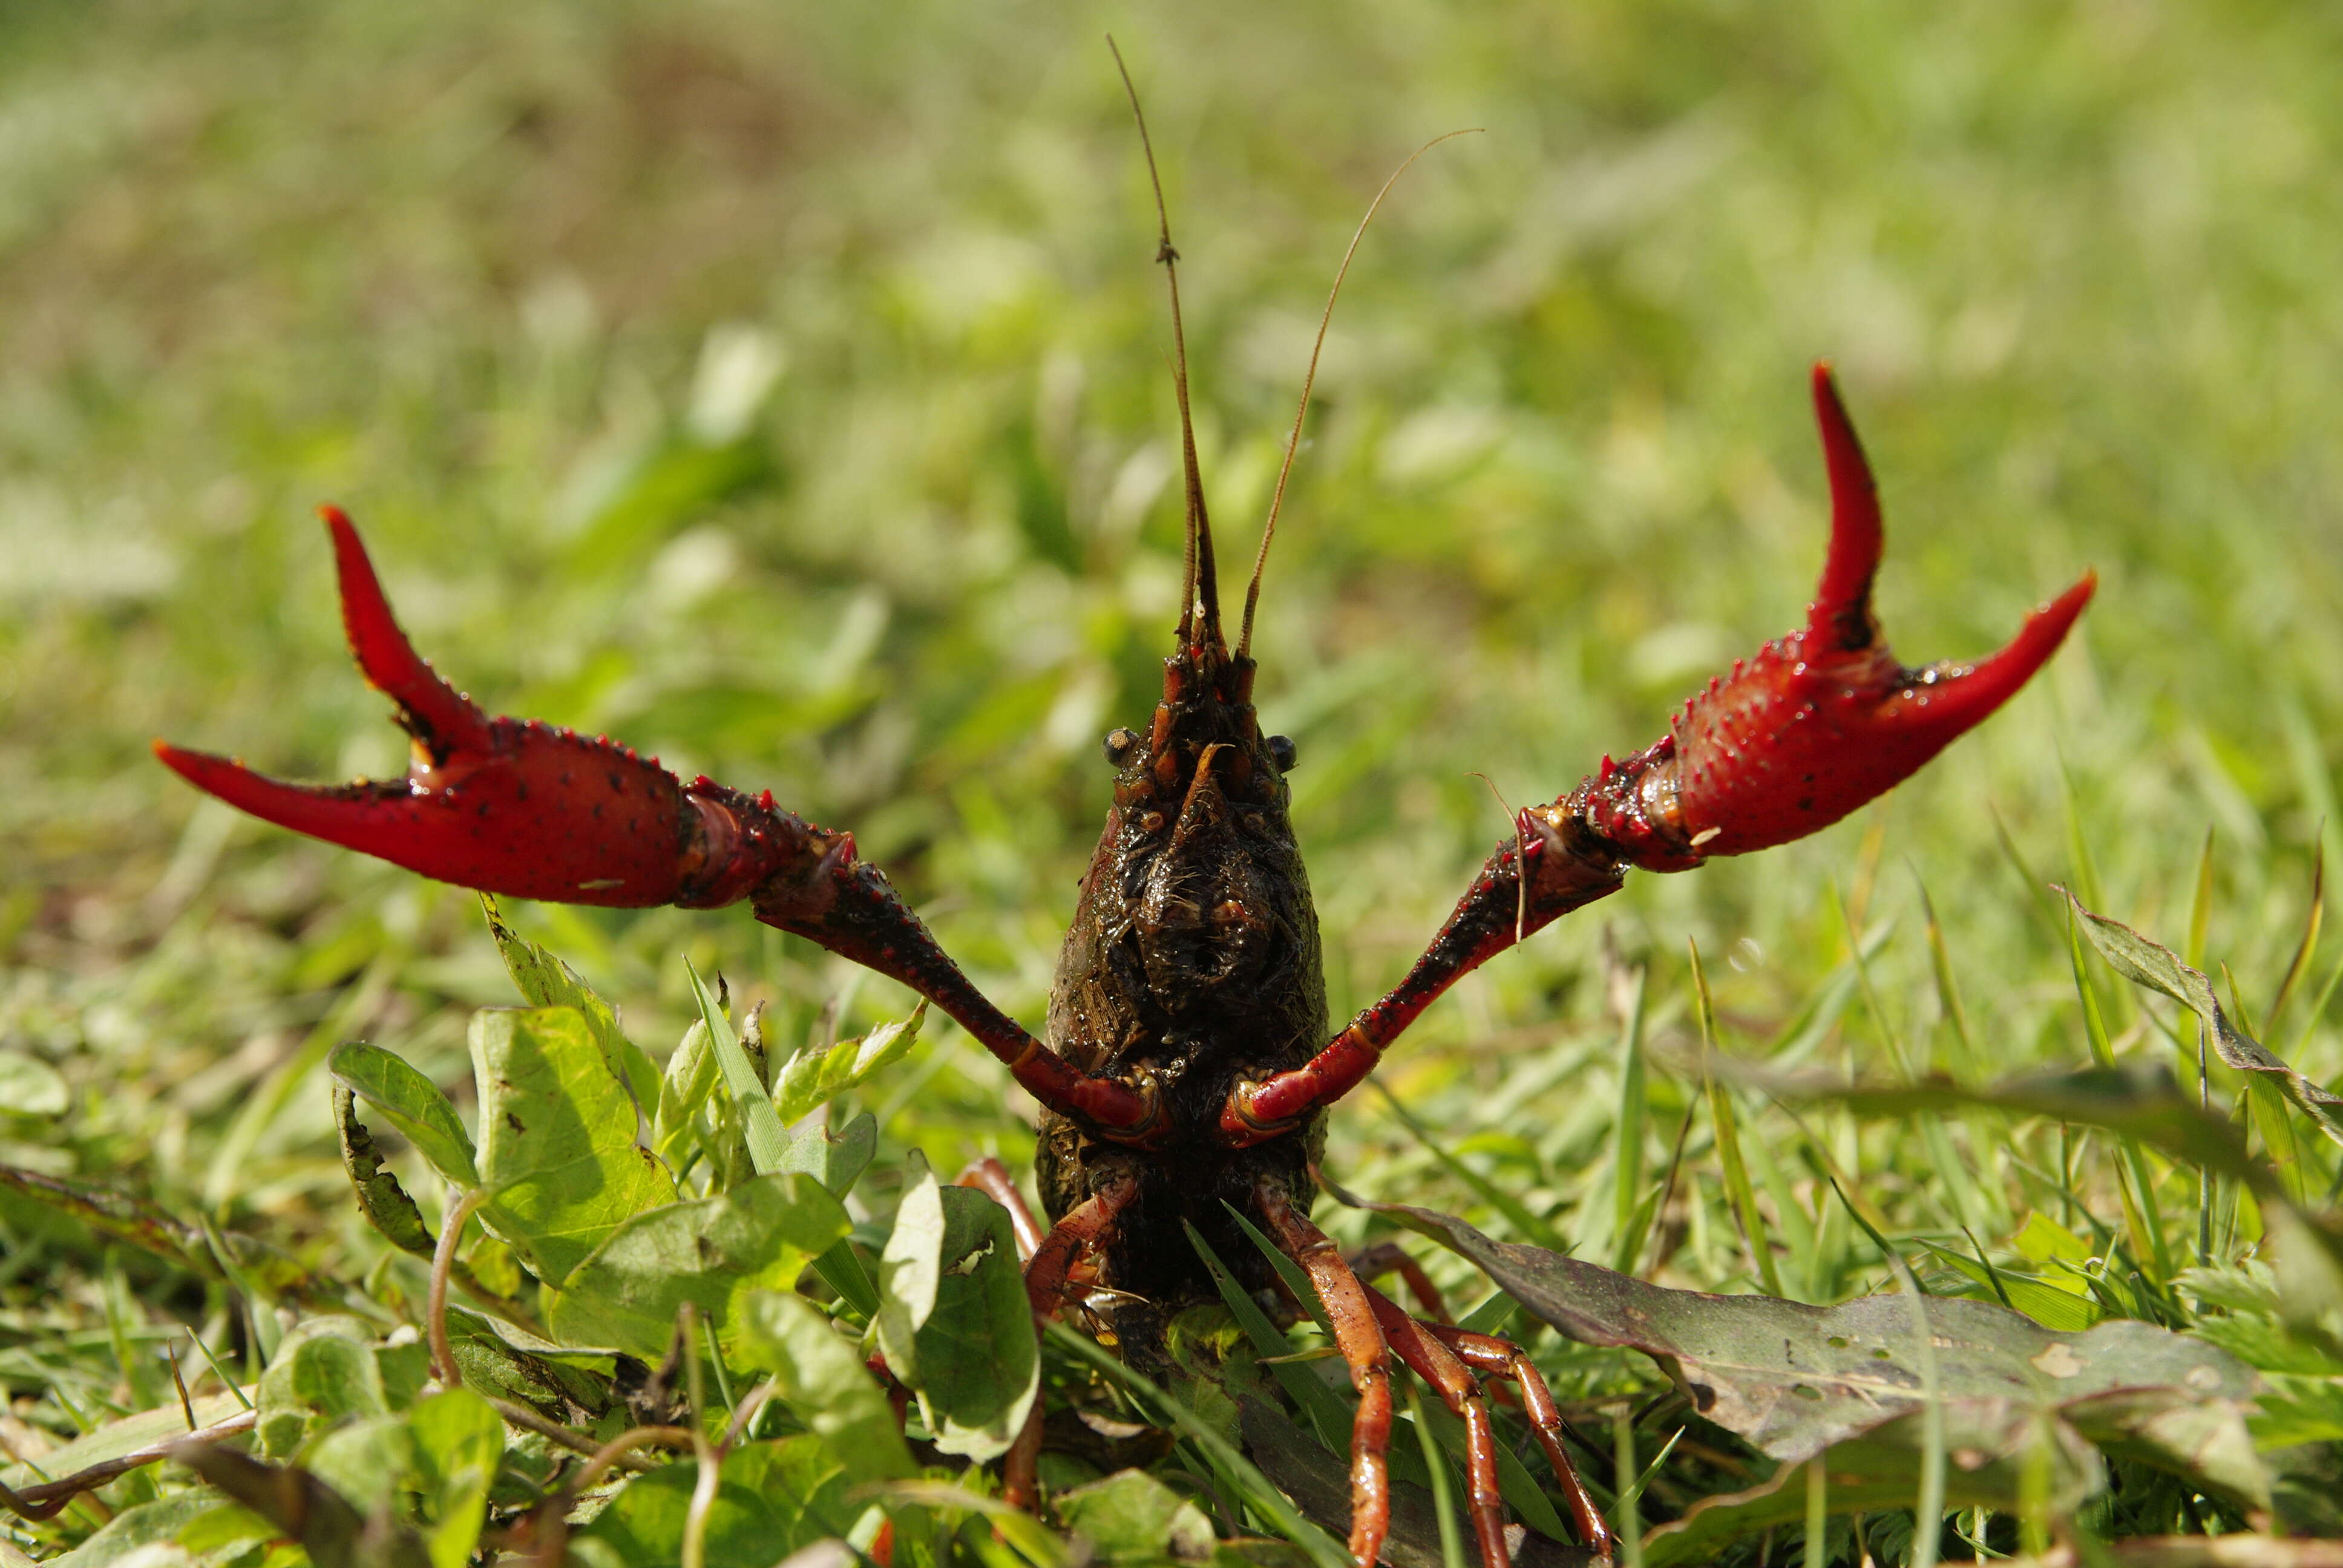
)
(1187, 1063)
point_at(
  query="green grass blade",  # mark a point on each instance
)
(1443, 1494)
(1526, 1225)
(2134, 1181)
(1818, 1553)
(231, 1164)
(1229, 1466)
(761, 1124)
(2036, 887)
(1296, 1277)
(1948, 990)
(1627, 1144)
(1305, 1388)
(2200, 904)
(1726, 1130)
(2303, 949)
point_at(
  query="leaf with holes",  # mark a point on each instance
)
(1796, 1381)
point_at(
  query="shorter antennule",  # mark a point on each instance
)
(1309, 380)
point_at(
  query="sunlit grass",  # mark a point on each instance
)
(784, 390)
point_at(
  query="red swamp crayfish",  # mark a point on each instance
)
(1187, 1063)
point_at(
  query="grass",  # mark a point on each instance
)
(783, 390)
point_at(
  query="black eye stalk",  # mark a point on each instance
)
(1121, 743)
(1282, 752)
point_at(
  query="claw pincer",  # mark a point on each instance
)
(507, 805)
(516, 807)
(1819, 723)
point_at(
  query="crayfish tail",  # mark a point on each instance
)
(441, 717)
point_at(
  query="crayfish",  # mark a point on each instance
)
(1187, 1064)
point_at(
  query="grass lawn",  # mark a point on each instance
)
(785, 389)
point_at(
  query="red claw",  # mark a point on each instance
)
(498, 804)
(1825, 719)
(1820, 722)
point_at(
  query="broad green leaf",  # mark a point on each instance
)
(1132, 1517)
(491, 1266)
(304, 1508)
(954, 1319)
(147, 1524)
(2041, 1238)
(691, 1079)
(812, 1079)
(709, 1252)
(458, 1439)
(2156, 968)
(836, 1160)
(502, 1362)
(909, 1266)
(774, 1498)
(1796, 1379)
(2047, 1304)
(544, 980)
(412, 1103)
(556, 1139)
(819, 1375)
(368, 1461)
(223, 1529)
(31, 1087)
(767, 1140)
(324, 1372)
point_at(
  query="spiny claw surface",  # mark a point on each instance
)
(503, 805)
(1821, 721)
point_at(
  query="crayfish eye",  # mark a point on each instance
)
(1282, 752)
(1119, 744)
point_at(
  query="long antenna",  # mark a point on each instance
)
(1293, 445)
(1200, 599)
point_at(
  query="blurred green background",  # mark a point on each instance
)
(785, 389)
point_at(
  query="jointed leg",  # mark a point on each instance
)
(1814, 725)
(520, 807)
(1372, 1262)
(1080, 1231)
(1441, 1367)
(1350, 1309)
(1494, 1358)
(992, 1177)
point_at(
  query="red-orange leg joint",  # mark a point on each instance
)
(1568, 868)
(1352, 1315)
(1081, 1232)
(523, 808)
(1820, 722)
